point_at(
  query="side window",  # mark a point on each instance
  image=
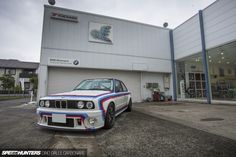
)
(10, 71)
(124, 87)
(118, 87)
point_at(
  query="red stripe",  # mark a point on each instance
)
(108, 98)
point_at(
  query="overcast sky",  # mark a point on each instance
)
(21, 20)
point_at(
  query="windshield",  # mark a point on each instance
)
(96, 84)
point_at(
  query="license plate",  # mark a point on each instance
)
(59, 118)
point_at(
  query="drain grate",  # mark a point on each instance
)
(212, 119)
(183, 111)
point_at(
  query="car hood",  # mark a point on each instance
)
(93, 93)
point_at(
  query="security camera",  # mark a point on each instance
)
(52, 2)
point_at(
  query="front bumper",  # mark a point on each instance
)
(74, 119)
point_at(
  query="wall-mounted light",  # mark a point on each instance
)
(165, 24)
(52, 2)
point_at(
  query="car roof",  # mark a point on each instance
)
(107, 78)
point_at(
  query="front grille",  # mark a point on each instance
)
(70, 104)
(63, 104)
(58, 104)
(69, 122)
(66, 104)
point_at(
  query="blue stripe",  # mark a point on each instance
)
(107, 96)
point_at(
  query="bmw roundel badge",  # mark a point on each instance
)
(76, 62)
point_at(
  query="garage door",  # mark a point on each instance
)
(65, 79)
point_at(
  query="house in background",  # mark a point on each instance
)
(21, 71)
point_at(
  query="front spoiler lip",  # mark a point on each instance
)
(59, 128)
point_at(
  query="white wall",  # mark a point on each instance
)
(135, 46)
(220, 23)
(148, 77)
(107, 61)
(43, 81)
(219, 26)
(65, 79)
(187, 38)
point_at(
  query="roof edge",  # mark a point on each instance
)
(195, 14)
(115, 18)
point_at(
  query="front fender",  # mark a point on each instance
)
(104, 101)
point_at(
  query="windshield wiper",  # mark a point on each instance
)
(79, 89)
(98, 89)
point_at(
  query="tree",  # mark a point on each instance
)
(7, 81)
(34, 81)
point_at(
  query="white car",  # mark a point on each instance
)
(93, 104)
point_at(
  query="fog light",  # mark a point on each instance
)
(92, 121)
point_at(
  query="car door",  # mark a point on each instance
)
(125, 97)
(119, 99)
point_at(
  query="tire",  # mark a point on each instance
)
(129, 109)
(110, 116)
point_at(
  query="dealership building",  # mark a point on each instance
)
(194, 61)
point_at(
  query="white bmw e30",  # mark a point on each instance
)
(93, 104)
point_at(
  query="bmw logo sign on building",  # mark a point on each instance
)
(76, 62)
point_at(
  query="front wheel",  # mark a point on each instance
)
(129, 106)
(110, 117)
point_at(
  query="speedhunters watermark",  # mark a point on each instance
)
(58, 152)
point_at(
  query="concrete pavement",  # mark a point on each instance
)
(134, 134)
(216, 119)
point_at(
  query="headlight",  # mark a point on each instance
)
(80, 104)
(41, 103)
(89, 105)
(47, 103)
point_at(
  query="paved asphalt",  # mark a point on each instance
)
(134, 134)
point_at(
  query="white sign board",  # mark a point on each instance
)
(59, 118)
(63, 62)
(64, 17)
(101, 33)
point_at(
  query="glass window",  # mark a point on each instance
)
(191, 78)
(96, 84)
(124, 87)
(27, 85)
(222, 71)
(10, 71)
(118, 86)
